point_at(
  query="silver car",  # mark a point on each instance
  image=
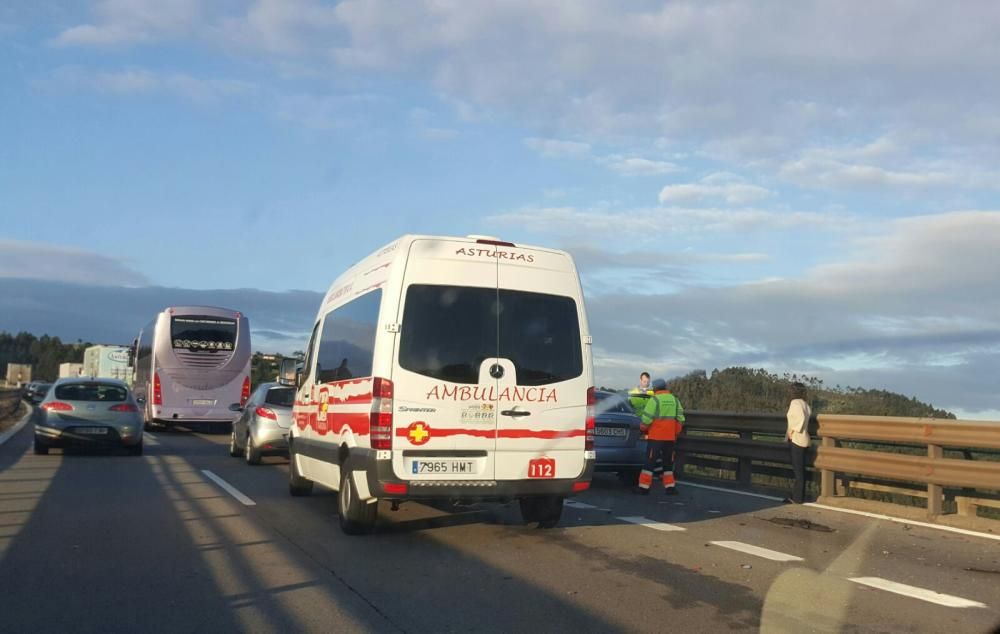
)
(88, 412)
(262, 428)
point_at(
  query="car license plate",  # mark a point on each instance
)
(542, 468)
(443, 467)
(619, 432)
(95, 431)
(203, 401)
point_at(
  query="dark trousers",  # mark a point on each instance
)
(659, 461)
(799, 468)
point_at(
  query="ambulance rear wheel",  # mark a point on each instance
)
(545, 510)
(357, 516)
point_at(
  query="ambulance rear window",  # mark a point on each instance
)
(448, 331)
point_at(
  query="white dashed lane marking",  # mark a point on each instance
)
(923, 594)
(648, 523)
(230, 489)
(757, 551)
(573, 504)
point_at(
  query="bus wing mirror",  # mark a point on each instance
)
(299, 377)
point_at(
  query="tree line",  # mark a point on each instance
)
(43, 353)
(754, 390)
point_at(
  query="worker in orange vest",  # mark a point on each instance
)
(662, 421)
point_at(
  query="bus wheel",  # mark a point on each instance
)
(545, 510)
(298, 485)
(357, 517)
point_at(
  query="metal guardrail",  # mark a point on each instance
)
(751, 439)
(935, 471)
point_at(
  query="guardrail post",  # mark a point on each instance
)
(826, 476)
(744, 469)
(935, 492)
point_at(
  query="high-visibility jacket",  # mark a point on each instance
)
(638, 397)
(663, 416)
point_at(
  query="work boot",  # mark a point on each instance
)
(670, 491)
(640, 491)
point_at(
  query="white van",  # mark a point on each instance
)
(456, 368)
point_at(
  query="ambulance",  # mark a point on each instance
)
(447, 368)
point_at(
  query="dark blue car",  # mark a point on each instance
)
(617, 438)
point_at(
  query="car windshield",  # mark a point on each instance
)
(90, 392)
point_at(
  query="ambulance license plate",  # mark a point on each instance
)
(443, 467)
(542, 468)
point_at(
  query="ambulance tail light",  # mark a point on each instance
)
(245, 394)
(381, 414)
(157, 392)
(591, 409)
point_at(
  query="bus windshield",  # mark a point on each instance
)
(192, 332)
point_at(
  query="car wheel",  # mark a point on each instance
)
(40, 449)
(298, 485)
(252, 453)
(135, 450)
(234, 449)
(357, 517)
(545, 510)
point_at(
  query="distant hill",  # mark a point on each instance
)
(755, 390)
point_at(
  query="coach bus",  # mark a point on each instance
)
(191, 364)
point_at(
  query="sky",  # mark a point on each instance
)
(808, 187)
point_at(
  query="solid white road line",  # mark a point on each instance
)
(930, 596)
(230, 489)
(757, 551)
(899, 520)
(733, 491)
(648, 523)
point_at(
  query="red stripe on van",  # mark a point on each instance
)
(358, 423)
(357, 399)
(546, 434)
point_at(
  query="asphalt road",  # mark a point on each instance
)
(110, 542)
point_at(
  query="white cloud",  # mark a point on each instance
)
(637, 166)
(31, 260)
(123, 22)
(557, 148)
(137, 81)
(730, 193)
(886, 314)
(572, 221)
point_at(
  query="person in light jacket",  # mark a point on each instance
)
(797, 435)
